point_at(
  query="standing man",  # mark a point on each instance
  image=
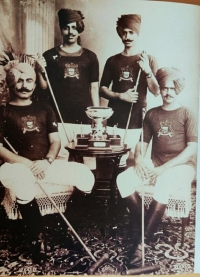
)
(122, 70)
(173, 130)
(73, 72)
(31, 129)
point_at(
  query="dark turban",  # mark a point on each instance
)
(14, 69)
(167, 74)
(67, 16)
(131, 21)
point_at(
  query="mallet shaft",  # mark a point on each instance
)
(54, 204)
(67, 222)
(55, 102)
(130, 112)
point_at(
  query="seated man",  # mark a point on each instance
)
(30, 128)
(173, 130)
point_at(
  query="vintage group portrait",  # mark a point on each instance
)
(99, 108)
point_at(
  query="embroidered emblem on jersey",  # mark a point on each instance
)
(165, 129)
(126, 74)
(55, 57)
(71, 70)
(29, 124)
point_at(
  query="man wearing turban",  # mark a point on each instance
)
(121, 71)
(73, 72)
(173, 130)
(30, 128)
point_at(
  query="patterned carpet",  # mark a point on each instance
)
(102, 234)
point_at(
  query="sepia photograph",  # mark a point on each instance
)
(99, 109)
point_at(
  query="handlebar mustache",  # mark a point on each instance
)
(24, 89)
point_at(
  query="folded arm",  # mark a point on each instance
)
(183, 157)
(39, 166)
(128, 96)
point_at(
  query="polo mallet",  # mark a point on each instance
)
(129, 116)
(142, 153)
(55, 102)
(150, 268)
(54, 204)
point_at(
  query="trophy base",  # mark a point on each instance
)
(86, 142)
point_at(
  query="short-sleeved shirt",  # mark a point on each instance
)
(27, 128)
(71, 75)
(170, 131)
(122, 71)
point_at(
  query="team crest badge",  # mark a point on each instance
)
(29, 124)
(71, 70)
(126, 74)
(165, 129)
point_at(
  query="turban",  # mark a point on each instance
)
(67, 16)
(14, 69)
(167, 74)
(131, 21)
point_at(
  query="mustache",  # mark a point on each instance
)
(169, 96)
(24, 89)
(127, 40)
(69, 35)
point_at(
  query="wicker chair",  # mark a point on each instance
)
(60, 194)
(178, 206)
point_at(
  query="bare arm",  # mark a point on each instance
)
(40, 68)
(94, 91)
(129, 96)
(151, 82)
(140, 150)
(183, 157)
(108, 93)
(55, 145)
(10, 157)
(153, 85)
(141, 168)
(38, 167)
(41, 81)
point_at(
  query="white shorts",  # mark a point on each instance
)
(176, 180)
(19, 178)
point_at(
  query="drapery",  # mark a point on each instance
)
(26, 27)
(12, 22)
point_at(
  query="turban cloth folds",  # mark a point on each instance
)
(67, 16)
(167, 74)
(130, 21)
(14, 69)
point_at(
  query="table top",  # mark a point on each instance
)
(87, 152)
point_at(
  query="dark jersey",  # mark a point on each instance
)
(70, 76)
(122, 71)
(27, 127)
(170, 131)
